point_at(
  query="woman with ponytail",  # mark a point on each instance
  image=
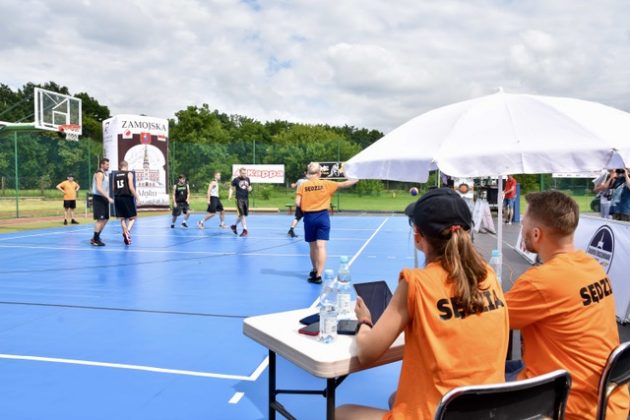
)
(452, 312)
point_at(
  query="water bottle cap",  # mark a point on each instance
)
(343, 259)
(496, 253)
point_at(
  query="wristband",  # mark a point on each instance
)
(364, 322)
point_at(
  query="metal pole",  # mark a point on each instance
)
(89, 142)
(339, 162)
(254, 162)
(17, 183)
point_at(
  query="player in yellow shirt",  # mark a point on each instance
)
(565, 307)
(452, 312)
(313, 197)
(69, 189)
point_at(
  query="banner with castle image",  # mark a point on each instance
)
(143, 142)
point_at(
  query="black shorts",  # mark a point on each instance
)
(242, 206)
(215, 205)
(125, 206)
(181, 207)
(100, 207)
(69, 204)
(298, 214)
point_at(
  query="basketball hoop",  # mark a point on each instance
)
(71, 131)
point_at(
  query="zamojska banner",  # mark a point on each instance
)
(261, 174)
(143, 142)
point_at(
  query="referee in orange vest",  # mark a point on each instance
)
(313, 197)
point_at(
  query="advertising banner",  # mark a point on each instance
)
(261, 174)
(332, 170)
(608, 241)
(143, 142)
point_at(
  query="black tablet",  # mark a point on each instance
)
(375, 294)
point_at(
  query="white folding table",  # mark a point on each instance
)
(333, 361)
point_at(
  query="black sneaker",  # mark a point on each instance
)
(65, 222)
(126, 238)
(316, 280)
(233, 227)
(313, 273)
(184, 224)
(74, 222)
(291, 233)
(244, 232)
(172, 226)
(96, 242)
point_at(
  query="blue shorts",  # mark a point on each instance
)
(509, 202)
(316, 226)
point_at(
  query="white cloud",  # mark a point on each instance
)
(367, 64)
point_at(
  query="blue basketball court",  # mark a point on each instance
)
(154, 330)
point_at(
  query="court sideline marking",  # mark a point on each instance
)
(253, 377)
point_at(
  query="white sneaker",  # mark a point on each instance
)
(200, 224)
(223, 226)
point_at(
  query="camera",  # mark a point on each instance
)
(620, 171)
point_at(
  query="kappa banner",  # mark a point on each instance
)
(608, 241)
(261, 174)
(143, 143)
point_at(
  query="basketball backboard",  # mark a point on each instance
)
(57, 112)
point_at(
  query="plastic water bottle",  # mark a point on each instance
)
(495, 263)
(345, 291)
(327, 308)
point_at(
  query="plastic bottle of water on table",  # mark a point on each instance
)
(345, 292)
(328, 308)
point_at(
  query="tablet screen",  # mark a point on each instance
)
(376, 295)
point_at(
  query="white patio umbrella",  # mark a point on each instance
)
(500, 134)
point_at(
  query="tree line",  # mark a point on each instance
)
(202, 140)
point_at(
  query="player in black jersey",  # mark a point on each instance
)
(181, 203)
(243, 186)
(124, 195)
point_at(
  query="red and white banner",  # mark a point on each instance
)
(261, 174)
(142, 142)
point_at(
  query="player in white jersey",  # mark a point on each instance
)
(214, 202)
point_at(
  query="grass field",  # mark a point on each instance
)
(38, 212)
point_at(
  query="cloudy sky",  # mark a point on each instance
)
(371, 64)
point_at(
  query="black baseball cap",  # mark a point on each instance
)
(439, 209)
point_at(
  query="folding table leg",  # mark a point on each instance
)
(331, 385)
(272, 385)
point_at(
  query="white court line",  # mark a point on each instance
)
(250, 378)
(57, 232)
(356, 255)
(236, 398)
(153, 251)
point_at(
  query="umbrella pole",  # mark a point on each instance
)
(500, 217)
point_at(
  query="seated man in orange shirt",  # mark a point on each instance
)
(565, 307)
(313, 197)
(452, 312)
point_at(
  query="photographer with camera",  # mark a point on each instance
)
(620, 200)
(603, 188)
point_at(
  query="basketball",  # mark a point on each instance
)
(413, 191)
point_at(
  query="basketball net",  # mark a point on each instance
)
(71, 131)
